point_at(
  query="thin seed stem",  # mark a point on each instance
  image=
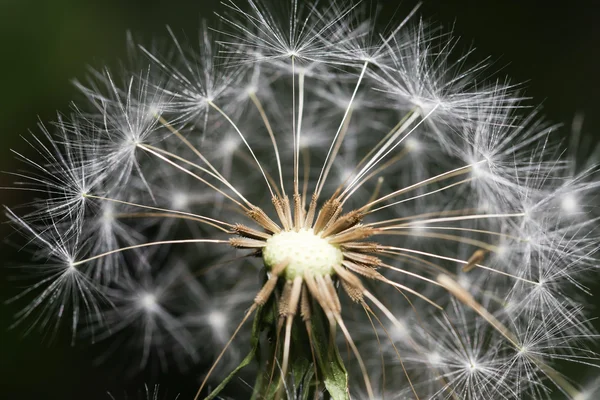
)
(175, 212)
(219, 177)
(377, 158)
(456, 260)
(376, 190)
(423, 195)
(443, 176)
(179, 167)
(248, 313)
(167, 215)
(464, 211)
(466, 298)
(381, 356)
(374, 149)
(323, 174)
(461, 218)
(293, 307)
(250, 161)
(263, 115)
(455, 228)
(453, 238)
(352, 186)
(217, 108)
(408, 258)
(306, 165)
(294, 134)
(138, 246)
(411, 291)
(405, 272)
(369, 311)
(361, 363)
(299, 131)
(189, 145)
(379, 169)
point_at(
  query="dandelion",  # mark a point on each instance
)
(148, 393)
(411, 224)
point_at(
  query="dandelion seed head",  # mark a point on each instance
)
(569, 204)
(230, 144)
(434, 358)
(217, 320)
(180, 200)
(303, 251)
(107, 214)
(148, 301)
(399, 331)
(418, 227)
(376, 181)
(71, 267)
(413, 145)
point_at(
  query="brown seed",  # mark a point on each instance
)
(305, 311)
(287, 210)
(284, 300)
(475, 259)
(344, 222)
(279, 208)
(329, 209)
(364, 259)
(298, 212)
(245, 231)
(245, 243)
(259, 216)
(362, 247)
(362, 270)
(310, 215)
(353, 234)
(350, 282)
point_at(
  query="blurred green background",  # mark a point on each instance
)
(46, 43)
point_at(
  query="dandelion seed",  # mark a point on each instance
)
(414, 233)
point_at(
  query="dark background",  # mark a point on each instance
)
(46, 43)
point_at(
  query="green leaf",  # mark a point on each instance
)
(254, 346)
(333, 371)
